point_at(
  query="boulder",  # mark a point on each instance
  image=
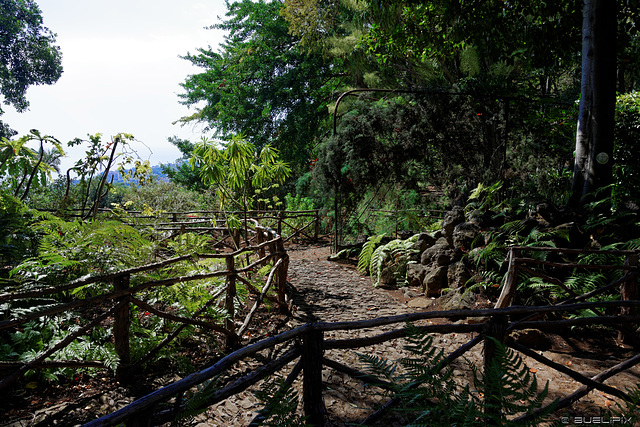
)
(388, 275)
(457, 275)
(452, 218)
(464, 234)
(424, 242)
(480, 218)
(457, 299)
(420, 303)
(431, 255)
(416, 274)
(434, 281)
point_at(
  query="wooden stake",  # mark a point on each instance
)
(121, 324)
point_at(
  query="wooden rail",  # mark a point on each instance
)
(307, 343)
(125, 292)
(288, 224)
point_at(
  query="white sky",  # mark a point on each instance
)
(121, 72)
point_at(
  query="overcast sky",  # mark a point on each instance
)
(121, 71)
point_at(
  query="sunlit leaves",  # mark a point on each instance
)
(235, 169)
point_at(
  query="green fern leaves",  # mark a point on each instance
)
(430, 394)
(364, 259)
(392, 257)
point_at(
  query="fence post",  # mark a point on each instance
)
(121, 324)
(281, 274)
(235, 234)
(312, 349)
(229, 322)
(316, 231)
(494, 328)
(509, 288)
(279, 223)
(629, 292)
(260, 240)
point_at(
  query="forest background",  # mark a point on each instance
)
(444, 96)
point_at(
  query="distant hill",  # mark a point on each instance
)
(156, 171)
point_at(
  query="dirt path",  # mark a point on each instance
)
(329, 291)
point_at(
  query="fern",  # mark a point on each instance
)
(197, 403)
(375, 267)
(71, 249)
(430, 396)
(364, 259)
(280, 402)
(395, 255)
(189, 243)
(508, 385)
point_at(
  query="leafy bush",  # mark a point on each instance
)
(36, 336)
(163, 196)
(17, 237)
(389, 262)
(68, 250)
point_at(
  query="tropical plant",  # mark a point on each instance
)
(68, 250)
(625, 170)
(36, 336)
(92, 172)
(18, 239)
(21, 167)
(280, 402)
(368, 249)
(390, 260)
(236, 171)
(429, 394)
(261, 84)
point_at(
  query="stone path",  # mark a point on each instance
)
(331, 292)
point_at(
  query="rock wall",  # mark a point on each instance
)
(441, 260)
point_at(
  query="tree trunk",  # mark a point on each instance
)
(594, 138)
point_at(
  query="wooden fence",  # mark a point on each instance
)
(520, 261)
(288, 224)
(307, 345)
(264, 246)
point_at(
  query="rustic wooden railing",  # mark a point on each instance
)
(269, 248)
(520, 261)
(307, 344)
(288, 224)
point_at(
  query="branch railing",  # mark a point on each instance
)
(288, 224)
(116, 303)
(518, 264)
(307, 345)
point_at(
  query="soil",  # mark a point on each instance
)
(324, 291)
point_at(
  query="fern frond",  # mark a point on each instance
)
(375, 267)
(378, 365)
(280, 402)
(197, 403)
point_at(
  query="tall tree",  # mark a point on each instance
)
(261, 84)
(595, 133)
(457, 43)
(28, 54)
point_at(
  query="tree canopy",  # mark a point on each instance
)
(28, 54)
(261, 84)
(494, 88)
